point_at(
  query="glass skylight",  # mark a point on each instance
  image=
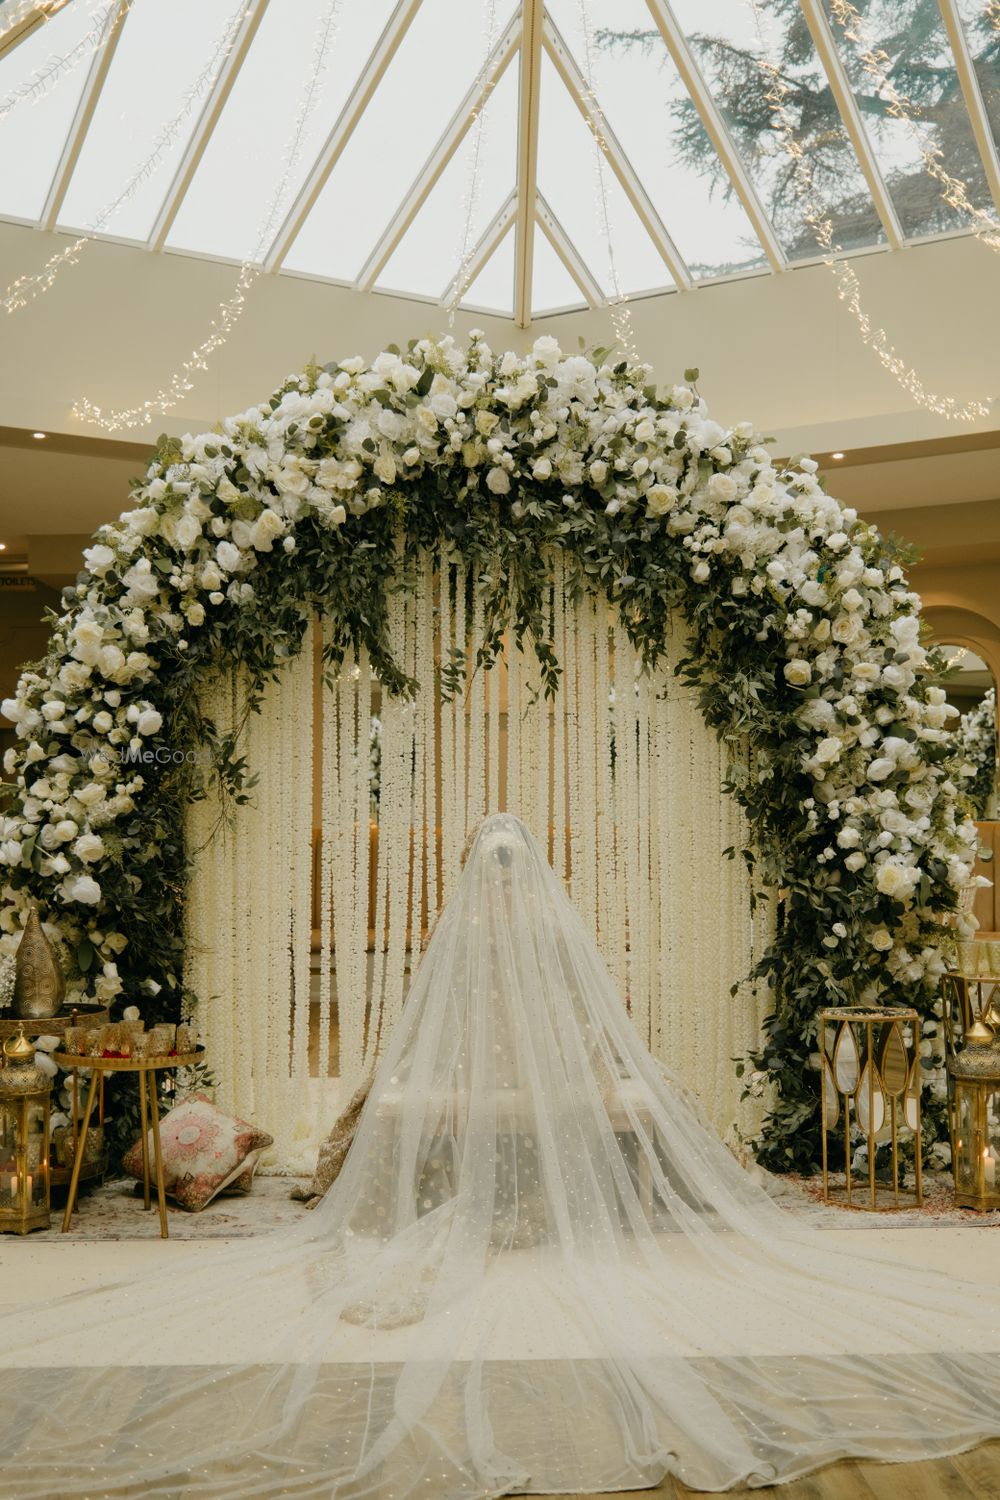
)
(651, 144)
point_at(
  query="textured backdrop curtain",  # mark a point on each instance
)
(619, 778)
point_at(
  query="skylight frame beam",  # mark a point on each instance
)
(483, 251)
(528, 105)
(573, 261)
(604, 137)
(448, 143)
(972, 94)
(90, 97)
(34, 16)
(836, 76)
(717, 131)
(344, 127)
(201, 135)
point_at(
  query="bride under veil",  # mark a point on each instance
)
(536, 1272)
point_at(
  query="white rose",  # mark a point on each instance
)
(848, 838)
(98, 559)
(188, 533)
(798, 673)
(897, 880)
(881, 940)
(660, 499)
(498, 481)
(211, 577)
(701, 572)
(103, 721)
(90, 794)
(598, 472)
(851, 599)
(337, 516)
(228, 556)
(880, 768)
(84, 889)
(385, 468)
(149, 721)
(828, 750)
(722, 487)
(855, 861)
(541, 468)
(266, 528)
(88, 847)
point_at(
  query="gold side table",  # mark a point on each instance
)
(147, 1069)
(870, 1077)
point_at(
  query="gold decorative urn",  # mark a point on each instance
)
(25, 1105)
(38, 980)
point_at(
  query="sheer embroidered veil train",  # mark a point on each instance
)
(536, 1272)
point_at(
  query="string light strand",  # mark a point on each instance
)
(621, 313)
(876, 63)
(821, 226)
(33, 285)
(58, 65)
(231, 309)
(470, 203)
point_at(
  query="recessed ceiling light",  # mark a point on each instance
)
(832, 455)
(39, 435)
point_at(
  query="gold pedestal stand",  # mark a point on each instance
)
(875, 1068)
(147, 1069)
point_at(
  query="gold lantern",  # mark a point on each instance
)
(975, 1145)
(38, 980)
(25, 1093)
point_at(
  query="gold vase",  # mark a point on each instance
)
(38, 981)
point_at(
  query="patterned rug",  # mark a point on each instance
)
(112, 1211)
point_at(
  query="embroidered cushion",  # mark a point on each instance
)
(204, 1151)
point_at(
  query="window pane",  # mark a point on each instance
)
(644, 101)
(922, 69)
(983, 37)
(229, 200)
(429, 254)
(161, 56)
(438, 61)
(724, 39)
(33, 132)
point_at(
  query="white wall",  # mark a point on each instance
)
(779, 350)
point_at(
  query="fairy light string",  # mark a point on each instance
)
(470, 201)
(231, 309)
(877, 66)
(27, 288)
(59, 65)
(820, 225)
(621, 312)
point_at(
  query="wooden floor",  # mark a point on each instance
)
(969, 1476)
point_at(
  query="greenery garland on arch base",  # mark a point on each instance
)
(805, 650)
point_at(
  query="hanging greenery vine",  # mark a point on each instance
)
(805, 646)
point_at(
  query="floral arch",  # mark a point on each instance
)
(803, 646)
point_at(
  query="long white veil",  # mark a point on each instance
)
(536, 1272)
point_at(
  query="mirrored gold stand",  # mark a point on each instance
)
(870, 1077)
(147, 1069)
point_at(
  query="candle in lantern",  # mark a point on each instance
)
(989, 1167)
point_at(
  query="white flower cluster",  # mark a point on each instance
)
(582, 436)
(977, 739)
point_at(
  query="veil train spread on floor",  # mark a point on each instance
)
(536, 1272)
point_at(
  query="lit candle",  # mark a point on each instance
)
(27, 1182)
(13, 1185)
(989, 1167)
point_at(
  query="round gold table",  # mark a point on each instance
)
(147, 1069)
